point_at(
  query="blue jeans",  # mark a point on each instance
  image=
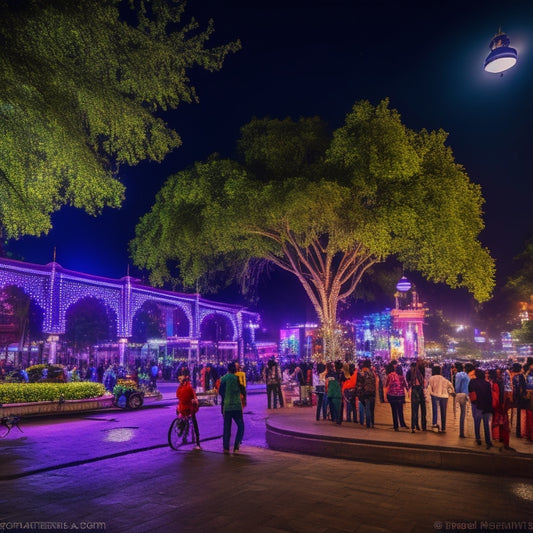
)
(370, 404)
(321, 402)
(361, 411)
(418, 403)
(335, 409)
(274, 390)
(351, 411)
(228, 417)
(442, 404)
(462, 399)
(396, 405)
(478, 417)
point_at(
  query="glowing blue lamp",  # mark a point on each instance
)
(403, 285)
(502, 57)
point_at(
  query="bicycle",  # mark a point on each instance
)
(9, 422)
(179, 432)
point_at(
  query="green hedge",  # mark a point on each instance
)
(49, 392)
(54, 373)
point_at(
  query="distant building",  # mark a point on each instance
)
(299, 342)
(407, 322)
(393, 333)
(372, 335)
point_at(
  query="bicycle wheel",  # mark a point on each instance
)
(135, 401)
(174, 434)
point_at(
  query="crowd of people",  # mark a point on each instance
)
(496, 392)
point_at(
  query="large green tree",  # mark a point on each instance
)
(82, 87)
(322, 207)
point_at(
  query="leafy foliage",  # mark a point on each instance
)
(124, 386)
(88, 322)
(148, 323)
(324, 207)
(524, 334)
(81, 86)
(46, 372)
(27, 315)
(520, 284)
(49, 392)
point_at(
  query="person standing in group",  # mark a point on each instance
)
(416, 382)
(528, 374)
(481, 399)
(273, 384)
(188, 405)
(439, 389)
(348, 392)
(334, 392)
(240, 373)
(396, 387)
(233, 396)
(500, 416)
(241, 376)
(461, 395)
(365, 390)
(320, 390)
(519, 397)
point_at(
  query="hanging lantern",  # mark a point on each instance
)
(502, 57)
(403, 285)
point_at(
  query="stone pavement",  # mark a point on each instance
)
(296, 430)
(262, 490)
(291, 429)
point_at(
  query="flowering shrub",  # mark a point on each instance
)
(51, 392)
(123, 386)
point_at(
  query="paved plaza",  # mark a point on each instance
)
(151, 488)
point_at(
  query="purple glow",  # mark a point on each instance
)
(55, 289)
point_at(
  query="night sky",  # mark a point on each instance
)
(319, 58)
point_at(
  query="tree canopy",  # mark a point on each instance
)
(520, 283)
(324, 207)
(82, 85)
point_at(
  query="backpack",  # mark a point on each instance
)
(272, 376)
(519, 390)
(366, 384)
(334, 389)
(349, 395)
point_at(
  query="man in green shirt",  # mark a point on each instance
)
(233, 398)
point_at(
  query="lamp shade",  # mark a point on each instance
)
(502, 57)
(403, 285)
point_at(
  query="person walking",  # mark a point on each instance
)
(439, 389)
(481, 399)
(233, 396)
(461, 395)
